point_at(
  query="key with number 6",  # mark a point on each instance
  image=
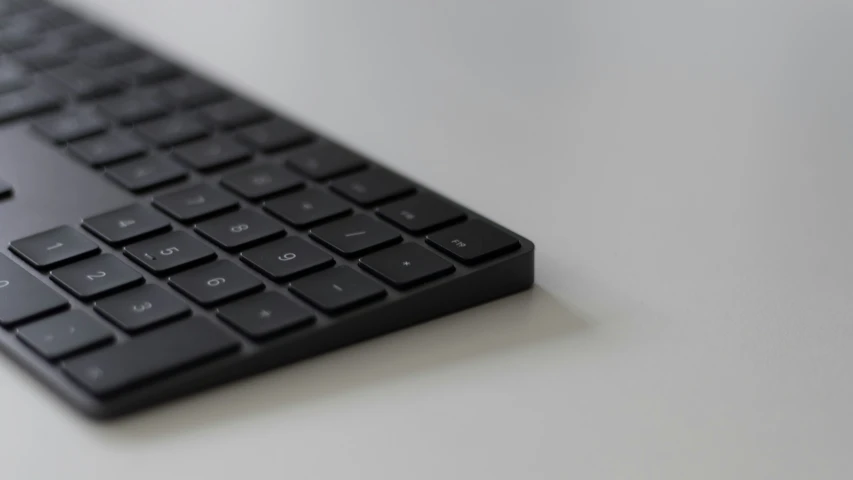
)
(216, 283)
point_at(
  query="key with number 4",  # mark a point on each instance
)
(127, 224)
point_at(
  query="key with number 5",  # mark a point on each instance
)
(170, 253)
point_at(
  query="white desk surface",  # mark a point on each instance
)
(684, 168)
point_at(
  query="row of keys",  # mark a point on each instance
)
(204, 155)
(103, 275)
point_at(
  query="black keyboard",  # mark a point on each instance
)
(218, 238)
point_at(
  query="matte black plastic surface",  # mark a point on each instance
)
(53, 188)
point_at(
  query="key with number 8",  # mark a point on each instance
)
(240, 230)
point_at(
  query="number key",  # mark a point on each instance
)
(216, 283)
(127, 224)
(142, 307)
(54, 247)
(64, 334)
(194, 203)
(239, 230)
(22, 296)
(287, 258)
(169, 253)
(96, 277)
(146, 173)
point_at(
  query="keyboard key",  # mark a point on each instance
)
(240, 230)
(49, 53)
(70, 125)
(16, 37)
(420, 213)
(142, 307)
(84, 35)
(273, 135)
(111, 53)
(136, 106)
(164, 350)
(127, 224)
(324, 160)
(171, 131)
(192, 92)
(265, 314)
(85, 82)
(232, 113)
(23, 297)
(56, 17)
(8, 7)
(288, 258)
(12, 77)
(106, 149)
(96, 277)
(146, 173)
(355, 235)
(256, 183)
(308, 207)
(212, 153)
(170, 253)
(64, 334)
(23, 103)
(195, 203)
(146, 71)
(55, 247)
(406, 265)
(372, 186)
(337, 289)
(472, 242)
(215, 283)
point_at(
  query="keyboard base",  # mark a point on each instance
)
(502, 278)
